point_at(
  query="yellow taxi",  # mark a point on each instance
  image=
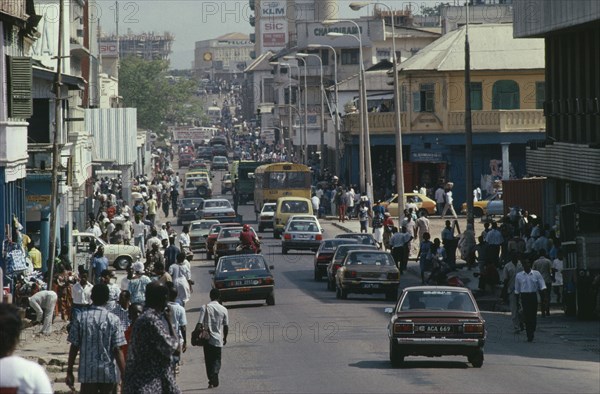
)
(423, 203)
(491, 205)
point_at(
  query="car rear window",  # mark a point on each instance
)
(438, 300)
(294, 207)
(342, 251)
(309, 227)
(253, 263)
(366, 258)
(268, 208)
(217, 204)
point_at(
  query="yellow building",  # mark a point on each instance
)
(507, 94)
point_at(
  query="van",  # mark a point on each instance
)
(286, 207)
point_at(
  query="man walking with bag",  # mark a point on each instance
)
(215, 318)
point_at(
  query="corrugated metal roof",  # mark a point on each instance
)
(115, 134)
(492, 48)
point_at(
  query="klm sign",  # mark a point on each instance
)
(274, 8)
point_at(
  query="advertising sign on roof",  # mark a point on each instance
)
(274, 8)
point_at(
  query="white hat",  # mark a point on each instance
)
(137, 267)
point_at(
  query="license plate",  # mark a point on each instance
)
(243, 290)
(370, 285)
(303, 236)
(243, 282)
(435, 329)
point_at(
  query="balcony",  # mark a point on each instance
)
(379, 123)
(500, 121)
(483, 121)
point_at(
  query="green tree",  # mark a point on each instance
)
(159, 98)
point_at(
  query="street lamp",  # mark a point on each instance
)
(337, 119)
(307, 55)
(304, 150)
(397, 109)
(365, 141)
(290, 116)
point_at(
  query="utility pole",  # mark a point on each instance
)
(468, 126)
(55, 143)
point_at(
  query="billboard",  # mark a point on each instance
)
(274, 33)
(273, 9)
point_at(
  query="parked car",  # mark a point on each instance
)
(368, 272)
(199, 230)
(265, 217)
(325, 254)
(227, 241)
(220, 163)
(435, 321)
(302, 234)
(216, 208)
(338, 259)
(422, 202)
(490, 206)
(120, 256)
(243, 278)
(226, 184)
(187, 209)
(213, 233)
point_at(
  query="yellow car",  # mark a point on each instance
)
(491, 205)
(423, 203)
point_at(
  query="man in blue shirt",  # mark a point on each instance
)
(171, 253)
(99, 264)
(97, 335)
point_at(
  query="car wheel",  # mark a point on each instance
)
(317, 275)
(122, 263)
(476, 359)
(423, 211)
(396, 358)
(271, 299)
(208, 255)
(260, 229)
(330, 286)
(284, 250)
(477, 212)
(391, 295)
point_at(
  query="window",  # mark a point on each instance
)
(350, 56)
(424, 99)
(476, 102)
(322, 53)
(540, 95)
(505, 95)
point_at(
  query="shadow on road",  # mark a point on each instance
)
(385, 364)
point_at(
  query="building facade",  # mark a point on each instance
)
(506, 114)
(224, 57)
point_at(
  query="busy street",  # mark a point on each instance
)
(308, 196)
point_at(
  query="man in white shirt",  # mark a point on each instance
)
(440, 199)
(422, 225)
(316, 202)
(139, 232)
(527, 285)
(43, 303)
(448, 205)
(509, 274)
(18, 375)
(81, 293)
(216, 317)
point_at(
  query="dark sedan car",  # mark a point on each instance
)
(434, 321)
(368, 272)
(244, 278)
(205, 153)
(363, 238)
(187, 209)
(325, 254)
(338, 259)
(227, 241)
(213, 233)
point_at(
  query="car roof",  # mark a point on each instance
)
(439, 288)
(214, 221)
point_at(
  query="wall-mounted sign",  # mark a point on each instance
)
(430, 157)
(274, 8)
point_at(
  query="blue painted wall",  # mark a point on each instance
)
(12, 202)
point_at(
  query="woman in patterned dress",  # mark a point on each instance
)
(154, 342)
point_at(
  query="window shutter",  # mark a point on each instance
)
(20, 104)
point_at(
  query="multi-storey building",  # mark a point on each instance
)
(223, 57)
(506, 86)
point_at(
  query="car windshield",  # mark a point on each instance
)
(342, 250)
(217, 204)
(219, 159)
(437, 300)
(294, 207)
(369, 258)
(243, 263)
(201, 226)
(332, 244)
(191, 202)
(303, 226)
(233, 232)
(268, 208)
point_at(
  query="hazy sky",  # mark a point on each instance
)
(196, 20)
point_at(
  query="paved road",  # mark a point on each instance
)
(311, 342)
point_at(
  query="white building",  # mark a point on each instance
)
(223, 57)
